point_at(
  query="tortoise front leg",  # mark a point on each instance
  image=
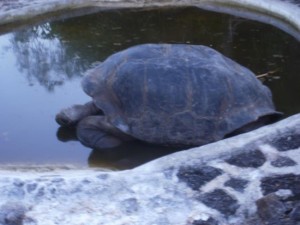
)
(72, 115)
(97, 133)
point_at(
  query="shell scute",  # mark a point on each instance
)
(173, 94)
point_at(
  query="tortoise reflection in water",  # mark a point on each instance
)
(168, 94)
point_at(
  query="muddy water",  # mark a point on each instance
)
(41, 68)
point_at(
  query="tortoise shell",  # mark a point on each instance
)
(176, 94)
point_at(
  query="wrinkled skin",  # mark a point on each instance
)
(92, 128)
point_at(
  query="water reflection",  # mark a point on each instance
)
(108, 32)
(54, 52)
(126, 156)
(42, 65)
(42, 57)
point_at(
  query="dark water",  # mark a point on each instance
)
(41, 68)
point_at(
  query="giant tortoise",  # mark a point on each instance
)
(168, 94)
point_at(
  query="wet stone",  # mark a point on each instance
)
(253, 159)
(288, 142)
(220, 201)
(286, 181)
(283, 162)
(196, 177)
(237, 184)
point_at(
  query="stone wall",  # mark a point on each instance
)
(284, 14)
(249, 179)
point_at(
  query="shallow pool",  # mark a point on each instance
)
(41, 67)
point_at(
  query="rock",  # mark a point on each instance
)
(12, 213)
(277, 209)
(283, 14)
(237, 184)
(216, 184)
(196, 177)
(255, 158)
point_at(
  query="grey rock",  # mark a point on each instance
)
(221, 201)
(283, 162)
(12, 213)
(255, 158)
(196, 177)
(284, 181)
(287, 142)
(237, 184)
(276, 210)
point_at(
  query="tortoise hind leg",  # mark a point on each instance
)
(96, 132)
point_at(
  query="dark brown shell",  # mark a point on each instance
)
(177, 94)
